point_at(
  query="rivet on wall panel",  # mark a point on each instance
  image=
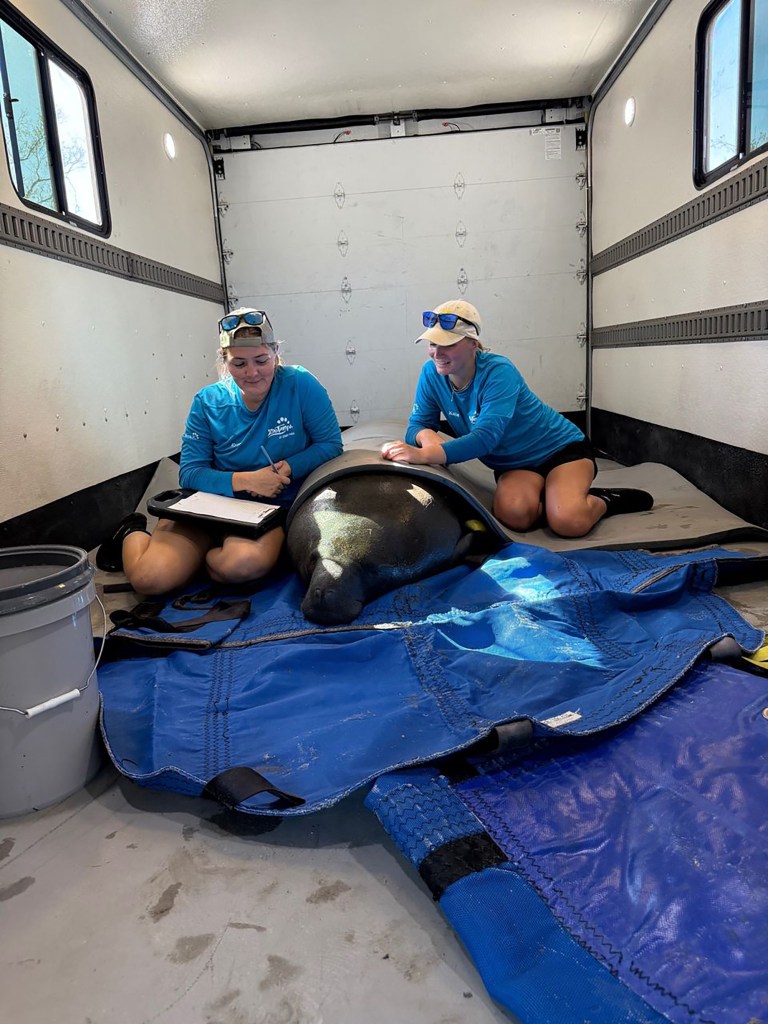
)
(342, 243)
(354, 411)
(346, 289)
(459, 185)
(339, 194)
(351, 352)
(461, 233)
(462, 280)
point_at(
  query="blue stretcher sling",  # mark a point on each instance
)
(254, 705)
(618, 878)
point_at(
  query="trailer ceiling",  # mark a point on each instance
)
(243, 62)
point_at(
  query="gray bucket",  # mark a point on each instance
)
(49, 699)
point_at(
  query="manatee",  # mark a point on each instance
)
(363, 534)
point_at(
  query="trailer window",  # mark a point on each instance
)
(49, 128)
(731, 86)
(758, 105)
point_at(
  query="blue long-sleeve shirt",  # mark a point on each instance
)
(497, 418)
(295, 422)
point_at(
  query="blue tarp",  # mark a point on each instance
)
(576, 642)
(616, 879)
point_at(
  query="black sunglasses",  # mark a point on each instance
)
(446, 320)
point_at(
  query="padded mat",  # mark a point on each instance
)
(682, 515)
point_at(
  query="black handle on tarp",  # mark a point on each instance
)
(235, 785)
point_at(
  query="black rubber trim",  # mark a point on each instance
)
(735, 478)
(459, 858)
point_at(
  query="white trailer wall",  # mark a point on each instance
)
(714, 389)
(345, 245)
(98, 371)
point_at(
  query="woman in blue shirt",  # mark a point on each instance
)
(543, 463)
(258, 408)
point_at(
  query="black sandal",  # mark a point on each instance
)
(109, 556)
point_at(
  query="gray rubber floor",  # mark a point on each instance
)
(126, 906)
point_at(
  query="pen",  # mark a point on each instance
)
(269, 460)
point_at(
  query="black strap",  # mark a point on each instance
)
(458, 858)
(734, 571)
(235, 785)
(503, 739)
(204, 597)
(146, 615)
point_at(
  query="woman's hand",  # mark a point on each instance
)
(399, 451)
(263, 483)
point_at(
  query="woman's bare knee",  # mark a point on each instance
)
(571, 522)
(516, 514)
(241, 561)
(152, 578)
(234, 570)
(171, 558)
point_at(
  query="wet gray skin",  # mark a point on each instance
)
(367, 533)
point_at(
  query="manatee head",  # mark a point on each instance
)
(366, 533)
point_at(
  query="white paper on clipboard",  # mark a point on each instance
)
(237, 510)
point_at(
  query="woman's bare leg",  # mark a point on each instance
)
(571, 510)
(167, 559)
(240, 559)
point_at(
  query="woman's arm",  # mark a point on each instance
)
(197, 464)
(320, 424)
(425, 415)
(196, 469)
(497, 401)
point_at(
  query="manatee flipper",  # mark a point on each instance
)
(475, 544)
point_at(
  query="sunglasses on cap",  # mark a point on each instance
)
(446, 320)
(253, 318)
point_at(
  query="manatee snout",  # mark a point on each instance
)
(332, 598)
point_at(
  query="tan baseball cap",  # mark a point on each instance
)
(254, 320)
(468, 326)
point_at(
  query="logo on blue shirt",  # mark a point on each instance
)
(283, 428)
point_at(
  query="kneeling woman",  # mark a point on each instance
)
(543, 464)
(259, 407)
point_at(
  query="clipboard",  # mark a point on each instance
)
(190, 506)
